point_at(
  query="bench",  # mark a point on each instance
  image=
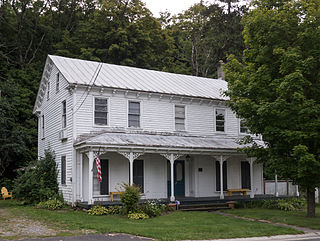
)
(243, 191)
(5, 194)
(114, 193)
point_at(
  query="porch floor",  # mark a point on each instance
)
(187, 200)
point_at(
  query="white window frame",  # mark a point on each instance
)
(48, 90)
(140, 116)
(243, 133)
(94, 106)
(225, 120)
(57, 82)
(64, 115)
(185, 117)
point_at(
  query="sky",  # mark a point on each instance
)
(173, 6)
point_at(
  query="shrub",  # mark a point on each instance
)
(289, 204)
(39, 181)
(130, 198)
(116, 210)
(98, 210)
(52, 204)
(137, 216)
(153, 208)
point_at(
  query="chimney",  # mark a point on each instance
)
(220, 70)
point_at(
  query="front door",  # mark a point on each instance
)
(179, 178)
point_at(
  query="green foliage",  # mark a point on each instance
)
(39, 181)
(116, 210)
(276, 88)
(98, 210)
(52, 204)
(130, 198)
(137, 216)
(153, 208)
(290, 204)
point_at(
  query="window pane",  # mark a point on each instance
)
(134, 123)
(243, 127)
(180, 111)
(220, 120)
(180, 127)
(134, 107)
(101, 111)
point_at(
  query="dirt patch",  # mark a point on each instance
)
(22, 226)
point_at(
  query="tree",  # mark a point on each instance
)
(276, 88)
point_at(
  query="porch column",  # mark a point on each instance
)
(221, 177)
(90, 199)
(251, 160)
(276, 193)
(131, 168)
(81, 177)
(131, 156)
(171, 157)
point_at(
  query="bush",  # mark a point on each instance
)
(8, 183)
(289, 204)
(52, 204)
(98, 210)
(137, 216)
(130, 198)
(116, 210)
(153, 208)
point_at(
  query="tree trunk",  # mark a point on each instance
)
(311, 203)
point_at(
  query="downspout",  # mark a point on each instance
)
(74, 152)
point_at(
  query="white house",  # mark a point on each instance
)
(159, 130)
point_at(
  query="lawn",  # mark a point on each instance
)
(297, 218)
(175, 226)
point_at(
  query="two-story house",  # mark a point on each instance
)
(171, 134)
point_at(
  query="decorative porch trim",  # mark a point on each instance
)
(168, 156)
(135, 155)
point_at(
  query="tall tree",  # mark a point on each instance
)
(276, 88)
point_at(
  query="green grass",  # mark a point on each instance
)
(175, 226)
(297, 218)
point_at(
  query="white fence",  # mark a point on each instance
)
(284, 188)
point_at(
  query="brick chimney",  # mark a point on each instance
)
(220, 70)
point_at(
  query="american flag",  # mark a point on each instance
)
(98, 164)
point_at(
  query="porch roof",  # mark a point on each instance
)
(163, 141)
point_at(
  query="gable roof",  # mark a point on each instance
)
(83, 72)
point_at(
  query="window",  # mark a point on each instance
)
(134, 114)
(220, 120)
(245, 175)
(57, 82)
(64, 114)
(104, 185)
(180, 117)
(224, 172)
(243, 128)
(63, 170)
(42, 126)
(138, 174)
(101, 111)
(48, 90)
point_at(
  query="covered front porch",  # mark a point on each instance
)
(180, 165)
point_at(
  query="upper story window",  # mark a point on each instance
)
(180, 116)
(48, 90)
(64, 114)
(57, 82)
(220, 120)
(100, 111)
(42, 126)
(243, 128)
(134, 114)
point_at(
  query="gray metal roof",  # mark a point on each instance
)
(157, 140)
(78, 71)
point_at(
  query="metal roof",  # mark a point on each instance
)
(157, 140)
(78, 71)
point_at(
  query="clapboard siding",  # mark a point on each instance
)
(156, 114)
(52, 111)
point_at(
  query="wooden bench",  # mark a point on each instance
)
(114, 193)
(5, 194)
(243, 191)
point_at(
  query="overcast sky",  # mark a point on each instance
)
(173, 6)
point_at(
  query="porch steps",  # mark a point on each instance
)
(204, 207)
